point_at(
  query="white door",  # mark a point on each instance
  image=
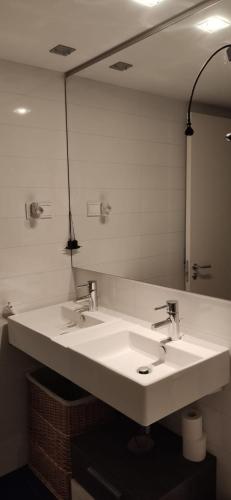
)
(208, 207)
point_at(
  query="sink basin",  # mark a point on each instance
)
(57, 320)
(128, 369)
(129, 353)
(81, 320)
(34, 331)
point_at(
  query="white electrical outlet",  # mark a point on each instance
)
(38, 210)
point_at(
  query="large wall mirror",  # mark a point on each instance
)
(128, 156)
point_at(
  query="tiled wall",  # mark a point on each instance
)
(34, 270)
(201, 316)
(127, 148)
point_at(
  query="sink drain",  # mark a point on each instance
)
(144, 370)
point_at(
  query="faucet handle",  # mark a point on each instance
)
(160, 307)
(91, 284)
(81, 286)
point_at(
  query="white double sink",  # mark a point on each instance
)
(120, 361)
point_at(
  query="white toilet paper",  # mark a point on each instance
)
(195, 450)
(78, 493)
(192, 424)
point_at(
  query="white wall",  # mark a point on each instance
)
(128, 148)
(34, 270)
(208, 227)
(202, 317)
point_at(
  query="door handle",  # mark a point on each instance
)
(196, 270)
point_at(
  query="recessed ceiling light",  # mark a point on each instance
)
(148, 3)
(212, 24)
(62, 50)
(22, 111)
(121, 66)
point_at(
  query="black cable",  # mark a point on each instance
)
(72, 243)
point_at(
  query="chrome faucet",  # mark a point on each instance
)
(89, 301)
(173, 320)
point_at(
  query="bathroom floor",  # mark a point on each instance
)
(23, 485)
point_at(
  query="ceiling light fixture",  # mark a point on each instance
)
(121, 66)
(213, 24)
(22, 111)
(62, 50)
(148, 3)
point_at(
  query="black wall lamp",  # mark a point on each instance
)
(189, 130)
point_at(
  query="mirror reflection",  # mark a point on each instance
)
(148, 203)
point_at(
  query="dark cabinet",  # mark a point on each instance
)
(107, 470)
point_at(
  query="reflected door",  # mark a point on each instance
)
(208, 211)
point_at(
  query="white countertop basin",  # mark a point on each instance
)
(103, 352)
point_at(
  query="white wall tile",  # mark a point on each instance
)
(34, 269)
(44, 113)
(28, 260)
(33, 172)
(31, 81)
(106, 96)
(32, 142)
(127, 148)
(122, 124)
(20, 233)
(12, 200)
(86, 147)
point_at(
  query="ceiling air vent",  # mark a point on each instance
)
(62, 50)
(121, 66)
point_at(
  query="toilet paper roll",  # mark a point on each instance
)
(192, 424)
(78, 493)
(195, 450)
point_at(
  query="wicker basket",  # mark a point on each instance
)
(56, 444)
(53, 477)
(59, 410)
(67, 407)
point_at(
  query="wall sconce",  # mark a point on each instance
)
(189, 130)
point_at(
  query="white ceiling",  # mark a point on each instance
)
(29, 28)
(168, 63)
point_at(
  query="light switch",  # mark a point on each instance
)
(93, 209)
(47, 210)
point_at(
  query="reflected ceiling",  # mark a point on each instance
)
(167, 63)
(30, 28)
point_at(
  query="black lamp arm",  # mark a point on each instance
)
(189, 128)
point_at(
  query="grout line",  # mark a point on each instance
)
(36, 245)
(129, 189)
(29, 126)
(138, 258)
(41, 158)
(148, 117)
(126, 139)
(134, 212)
(131, 236)
(98, 163)
(32, 96)
(50, 188)
(13, 276)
